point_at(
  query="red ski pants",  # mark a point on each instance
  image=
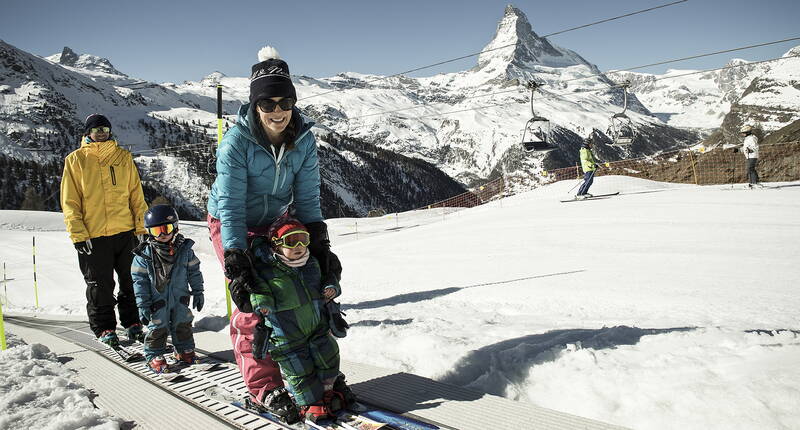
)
(260, 376)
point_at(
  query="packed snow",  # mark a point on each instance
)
(37, 392)
(668, 306)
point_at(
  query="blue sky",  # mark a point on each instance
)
(177, 41)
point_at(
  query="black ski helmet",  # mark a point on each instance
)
(160, 215)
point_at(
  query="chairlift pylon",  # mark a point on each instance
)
(539, 128)
(621, 126)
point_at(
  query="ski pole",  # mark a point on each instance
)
(35, 286)
(580, 181)
(219, 141)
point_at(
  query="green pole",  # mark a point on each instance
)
(219, 141)
(35, 286)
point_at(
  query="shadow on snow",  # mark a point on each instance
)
(421, 296)
(493, 368)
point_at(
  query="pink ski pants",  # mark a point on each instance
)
(260, 376)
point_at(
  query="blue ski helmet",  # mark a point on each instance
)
(160, 215)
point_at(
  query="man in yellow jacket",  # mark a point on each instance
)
(103, 204)
(589, 166)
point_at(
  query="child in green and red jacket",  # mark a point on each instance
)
(296, 315)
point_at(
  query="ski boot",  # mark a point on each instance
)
(347, 395)
(158, 364)
(109, 337)
(316, 411)
(279, 403)
(135, 333)
(187, 356)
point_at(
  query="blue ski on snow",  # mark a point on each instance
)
(363, 417)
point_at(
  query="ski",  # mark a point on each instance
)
(123, 353)
(169, 375)
(202, 365)
(242, 402)
(360, 416)
(593, 197)
(390, 420)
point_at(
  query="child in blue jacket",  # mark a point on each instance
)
(165, 274)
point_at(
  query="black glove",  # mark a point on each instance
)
(320, 248)
(240, 294)
(238, 268)
(237, 262)
(336, 322)
(84, 247)
(261, 336)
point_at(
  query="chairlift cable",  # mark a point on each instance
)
(497, 48)
(704, 55)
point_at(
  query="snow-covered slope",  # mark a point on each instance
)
(642, 310)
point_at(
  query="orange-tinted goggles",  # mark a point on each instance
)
(160, 229)
(293, 239)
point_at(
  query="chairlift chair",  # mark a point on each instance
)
(621, 127)
(539, 128)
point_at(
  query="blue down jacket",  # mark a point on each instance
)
(254, 186)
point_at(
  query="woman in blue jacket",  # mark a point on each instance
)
(265, 163)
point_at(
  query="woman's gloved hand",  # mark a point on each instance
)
(320, 248)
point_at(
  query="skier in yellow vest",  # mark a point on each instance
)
(589, 167)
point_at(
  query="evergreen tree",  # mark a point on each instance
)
(33, 200)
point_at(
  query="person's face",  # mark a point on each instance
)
(164, 238)
(294, 253)
(100, 134)
(277, 119)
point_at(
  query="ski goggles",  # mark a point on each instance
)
(293, 239)
(161, 229)
(100, 130)
(268, 105)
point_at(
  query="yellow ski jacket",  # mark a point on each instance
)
(587, 160)
(101, 193)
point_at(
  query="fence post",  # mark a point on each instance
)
(694, 171)
(35, 286)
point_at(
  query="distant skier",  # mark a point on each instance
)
(297, 316)
(589, 166)
(750, 150)
(265, 163)
(103, 204)
(166, 273)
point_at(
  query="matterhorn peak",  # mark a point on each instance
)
(68, 57)
(516, 47)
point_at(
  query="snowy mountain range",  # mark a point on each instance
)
(696, 99)
(466, 124)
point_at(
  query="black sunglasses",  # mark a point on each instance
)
(268, 105)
